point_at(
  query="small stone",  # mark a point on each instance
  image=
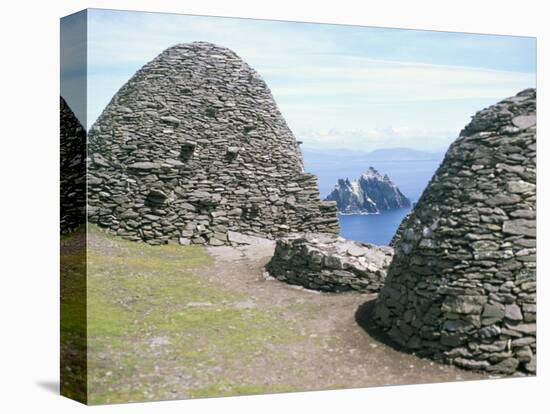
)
(464, 304)
(427, 243)
(471, 364)
(507, 366)
(215, 242)
(524, 354)
(157, 195)
(355, 250)
(452, 339)
(524, 121)
(184, 241)
(129, 214)
(145, 165)
(125, 110)
(489, 332)
(173, 163)
(187, 145)
(513, 312)
(408, 235)
(520, 227)
(333, 262)
(94, 180)
(520, 187)
(494, 312)
(531, 366)
(524, 328)
(503, 200)
(170, 119)
(98, 159)
(517, 343)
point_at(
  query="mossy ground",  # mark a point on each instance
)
(168, 322)
(153, 320)
(73, 315)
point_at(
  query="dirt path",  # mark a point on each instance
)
(341, 353)
(171, 322)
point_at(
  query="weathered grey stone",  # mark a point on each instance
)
(524, 328)
(513, 312)
(503, 199)
(464, 304)
(524, 354)
(129, 214)
(471, 364)
(492, 313)
(94, 180)
(329, 263)
(507, 366)
(520, 187)
(157, 195)
(531, 366)
(466, 286)
(489, 331)
(73, 171)
(520, 227)
(357, 250)
(184, 241)
(170, 119)
(521, 342)
(100, 161)
(525, 121)
(207, 133)
(145, 165)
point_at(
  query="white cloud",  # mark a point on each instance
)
(320, 75)
(372, 139)
(384, 81)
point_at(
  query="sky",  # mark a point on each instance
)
(338, 86)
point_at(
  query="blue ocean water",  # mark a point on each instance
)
(371, 228)
(411, 176)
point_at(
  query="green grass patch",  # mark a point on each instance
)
(225, 389)
(154, 318)
(73, 315)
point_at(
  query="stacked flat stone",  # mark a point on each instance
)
(461, 287)
(194, 146)
(329, 263)
(72, 169)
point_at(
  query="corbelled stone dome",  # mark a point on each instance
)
(72, 169)
(461, 286)
(194, 148)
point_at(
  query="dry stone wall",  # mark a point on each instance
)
(194, 147)
(72, 169)
(461, 286)
(329, 263)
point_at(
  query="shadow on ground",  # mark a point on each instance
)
(51, 386)
(364, 316)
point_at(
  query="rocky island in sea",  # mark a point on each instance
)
(372, 193)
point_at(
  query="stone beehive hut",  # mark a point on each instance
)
(194, 148)
(461, 286)
(72, 169)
